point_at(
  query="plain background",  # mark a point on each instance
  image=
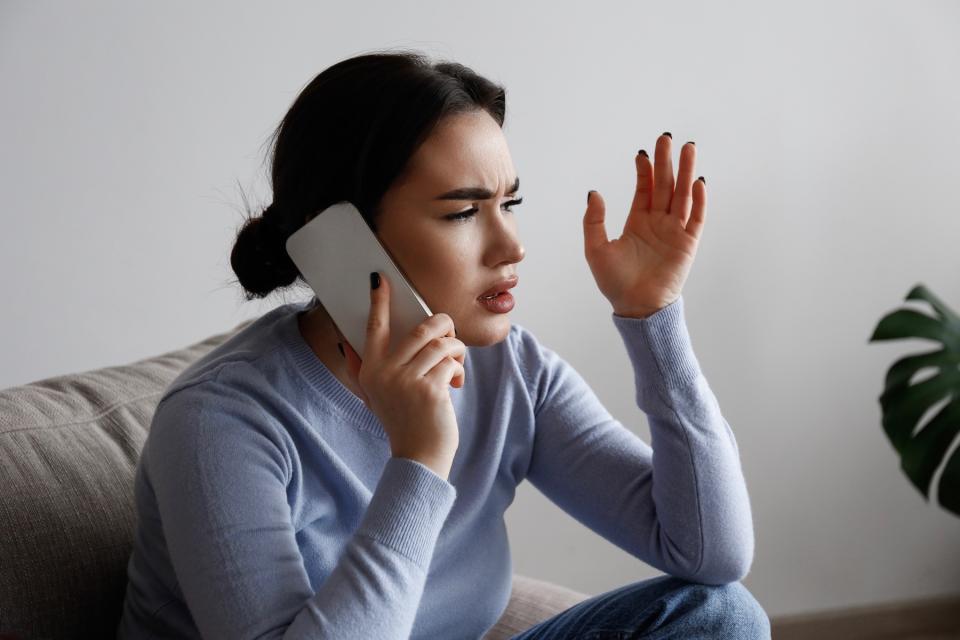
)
(826, 132)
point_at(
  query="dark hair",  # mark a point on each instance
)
(347, 136)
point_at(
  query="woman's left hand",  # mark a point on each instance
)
(644, 269)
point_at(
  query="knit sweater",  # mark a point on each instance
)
(269, 504)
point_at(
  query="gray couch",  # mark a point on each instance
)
(68, 450)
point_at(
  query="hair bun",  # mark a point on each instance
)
(268, 228)
(270, 248)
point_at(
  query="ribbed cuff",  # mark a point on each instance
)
(408, 509)
(659, 347)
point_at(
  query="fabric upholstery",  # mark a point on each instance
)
(532, 601)
(68, 451)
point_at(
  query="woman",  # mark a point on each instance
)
(291, 487)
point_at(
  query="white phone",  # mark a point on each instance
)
(336, 251)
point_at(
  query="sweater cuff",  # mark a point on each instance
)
(408, 509)
(659, 347)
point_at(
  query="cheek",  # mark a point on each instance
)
(448, 256)
(447, 275)
(443, 263)
(453, 272)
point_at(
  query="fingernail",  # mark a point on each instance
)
(667, 133)
(374, 279)
(702, 179)
(340, 346)
(642, 153)
(691, 142)
(589, 192)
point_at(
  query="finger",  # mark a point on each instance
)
(594, 231)
(438, 325)
(699, 213)
(682, 198)
(641, 196)
(662, 174)
(433, 352)
(378, 320)
(460, 376)
(445, 371)
(453, 334)
(459, 379)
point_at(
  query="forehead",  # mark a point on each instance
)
(464, 150)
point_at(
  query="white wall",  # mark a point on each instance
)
(826, 132)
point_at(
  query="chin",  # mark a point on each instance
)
(487, 332)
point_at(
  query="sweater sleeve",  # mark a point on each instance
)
(218, 467)
(681, 505)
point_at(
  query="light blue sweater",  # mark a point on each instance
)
(269, 505)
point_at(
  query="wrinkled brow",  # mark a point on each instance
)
(475, 193)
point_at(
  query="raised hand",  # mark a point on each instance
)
(644, 270)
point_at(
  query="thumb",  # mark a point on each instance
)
(594, 231)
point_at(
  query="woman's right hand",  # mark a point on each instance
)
(408, 388)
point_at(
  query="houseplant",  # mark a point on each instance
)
(905, 400)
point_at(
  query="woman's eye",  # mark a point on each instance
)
(465, 215)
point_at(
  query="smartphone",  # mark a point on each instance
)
(335, 252)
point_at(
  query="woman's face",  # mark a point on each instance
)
(452, 262)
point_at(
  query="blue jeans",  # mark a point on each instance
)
(659, 608)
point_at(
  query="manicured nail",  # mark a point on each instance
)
(588, 194)
(642, 153)
(691, 142)
(702, 179)
(667, 133)
(340, 346)
(374, 279)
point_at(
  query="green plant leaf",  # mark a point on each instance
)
(904, 402)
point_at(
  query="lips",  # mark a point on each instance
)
(501, 286)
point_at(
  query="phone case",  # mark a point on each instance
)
(335, 252)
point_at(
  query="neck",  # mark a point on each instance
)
(318, 329)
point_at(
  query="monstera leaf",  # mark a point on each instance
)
(904, 402)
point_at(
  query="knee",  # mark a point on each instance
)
(731, 610)
(672, 605)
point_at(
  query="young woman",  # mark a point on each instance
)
(293, 488)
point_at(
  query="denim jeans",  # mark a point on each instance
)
(659, 608)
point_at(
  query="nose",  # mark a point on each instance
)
(504, 242)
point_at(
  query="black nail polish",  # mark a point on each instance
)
(374, 279)
(340, 346)
(589, 192)
(642, 153)
(691, 142)
(702, 179)
(667, 133)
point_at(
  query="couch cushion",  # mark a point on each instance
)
(68, 452)
(69, 446)
(531, 602)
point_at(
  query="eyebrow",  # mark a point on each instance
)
(475, 193)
